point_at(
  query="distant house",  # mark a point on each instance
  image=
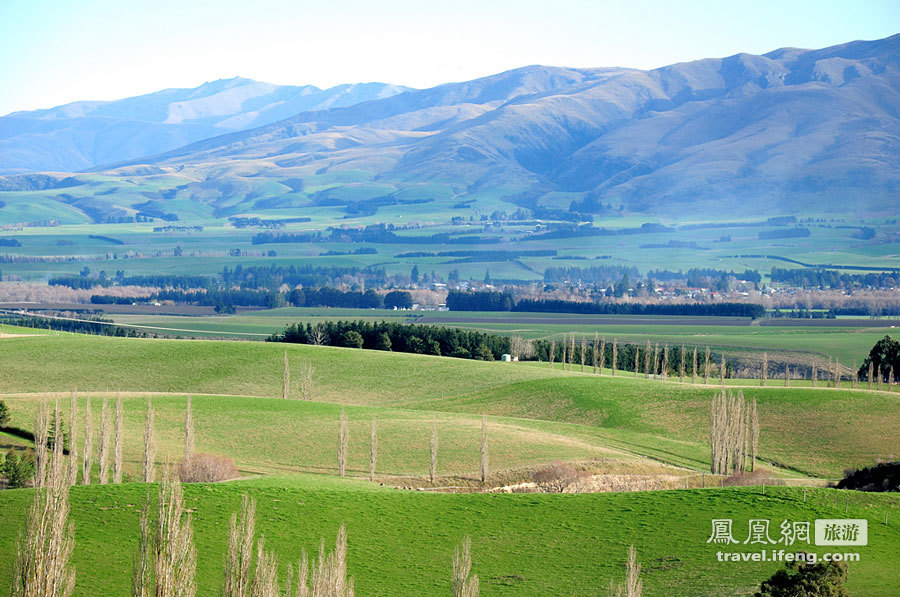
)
(506, 358)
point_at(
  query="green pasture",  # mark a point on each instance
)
(401, 542)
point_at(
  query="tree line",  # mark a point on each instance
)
(825, 278)
(397, 337)
(498, 301)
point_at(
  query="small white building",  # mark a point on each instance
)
(506, 358)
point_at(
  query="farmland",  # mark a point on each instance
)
(848, 340)
(629, 429)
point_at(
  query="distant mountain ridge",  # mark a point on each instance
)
(86, 134)
(789, 132)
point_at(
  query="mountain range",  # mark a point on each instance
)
(788, 132)
(84, 135)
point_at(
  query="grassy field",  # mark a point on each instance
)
(661, 418)
(401, 542)
(849, 344)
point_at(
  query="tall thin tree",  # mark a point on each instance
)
(118, 464)
(583, 352)
(433, 445)
(787, 375)
(694, 370)
(373, 449)
(615, 356)
(871, 375)
(484, 449)
(637, 359)
(73, 437)
(648, 355)
(104, 444)
(723, 369)
(765, 368)
(594, 353)
(188, 431)
(706, 368)
(87, 463)
(41, 439)
(552, 352)
(286, 378)
(42, 567)
(149, 462)
(240, 549)
(343, 442)
(464, 583)
(166, 545)
(681, 365)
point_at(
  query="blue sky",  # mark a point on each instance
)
(57, 51)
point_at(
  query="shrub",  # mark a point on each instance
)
(4, 414)
(798, 578)
(884, 476)
(555, 477)
(739, 479)
(207, 468)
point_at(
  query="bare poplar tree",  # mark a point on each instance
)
(318, 336)
(285, 378)
(41, 437)
(871, 373)
(166, 545)
(552, 352)
(595, 356)
(103, 448)
(681, 365)
(464, 583)
(754, 435)
(42, 567)
(637, 360)
(583, 352)
(343, 442)
(891, 379)
(240, 550)
(118, 469)
(854, 379)
(484, 449)
(665, 365)
(433, 444)
(601, 358)
(73, 437)
(149, 463)
(306, 381)
(565, 346)
(615, 356)
(265, 577)
(329, 575)
(734, 433)
(787, 375)
(695, 365)
(723, 369)
(837, 373)
(188, 431)
(765, 368)
(814, 375)
(572, 352)
(879, 378)
(373, 450)
(655, 368)
(633, 585)
(87, 463)
(706, 368)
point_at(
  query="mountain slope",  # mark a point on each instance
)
(790, 132)
(82, 135)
